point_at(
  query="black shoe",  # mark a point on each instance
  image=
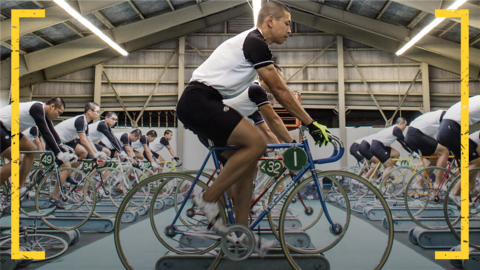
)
(56, 202)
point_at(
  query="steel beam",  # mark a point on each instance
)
(72, 27)
(474, 40)
(125, 34)
(8, 46)
(132, 122)
(102, 18)
(380, 14)
(341, 96)
(311, 61)
(54, 15)
(181, 85)
(390, 121)
(368, 86)
(430, 6)
(170, 4)
(432, 50)
(97, 85)
(155, 87)
(348, 6)
(447, 28)
(416, 19)
(134, 7)
(135, 45)
(425, 87)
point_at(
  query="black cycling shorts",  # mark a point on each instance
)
(381, 151)
(364, 149)
(73, 144)
(99, 146)
(420, 143)
(449, 136)
(201, 110)
(6, 140)
(354, 152)
(154, 155)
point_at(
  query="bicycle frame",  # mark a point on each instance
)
(337, 154)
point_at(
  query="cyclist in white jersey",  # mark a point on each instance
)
(382, 140)
(34, 113)
(143, 145)
(158, 144)
(103, 129)
(449, 135)
(227, 72)
(77, 127)
(125, 140)
(35, 136)
(420, 138)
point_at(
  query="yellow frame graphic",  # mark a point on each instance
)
(463, 254)
(15, 96)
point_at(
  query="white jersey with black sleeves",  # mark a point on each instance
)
(138, 144)
(69, 129)
(249, 101)
(31, 133)
(231, 68)
(158, 144)
(121, 137)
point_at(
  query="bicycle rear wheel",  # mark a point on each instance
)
(323, 237)
(53, 246)
(420, 195)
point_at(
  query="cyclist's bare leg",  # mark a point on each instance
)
(252, 145)
(242, 193)
(138, 155)
(106, 151)
(5, 170)
(27, 161)
(82, 153)
(63, 177)
(373, 162)
(162, 163)
(443, 153)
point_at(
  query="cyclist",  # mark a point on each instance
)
(34, 113)
(382, 140)
(103, 129)
(77, 127)
(449, 135)
(35, 136)
(158, 144)
(364, 149)
(354, 151)
(125, 140)
(143, 143)
(228, 71)
(420, 138)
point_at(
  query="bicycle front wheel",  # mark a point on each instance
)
(74, 198)
(323, 236)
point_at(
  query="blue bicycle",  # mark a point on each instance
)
(300, 227)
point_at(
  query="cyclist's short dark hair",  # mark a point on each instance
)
(152, 133)
(90, 106)
(274, 8)
(168, 131)
(137, 132)
(110, 114)
(58, 101)
(400, 120)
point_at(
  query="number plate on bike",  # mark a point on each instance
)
(47, 159)
(169, 165)
(295, 159)
(87, 166)
(37, 164)
(146, 164)
(271, 167)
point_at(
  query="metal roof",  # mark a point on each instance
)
(114, 15)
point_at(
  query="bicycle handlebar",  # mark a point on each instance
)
(338, 151)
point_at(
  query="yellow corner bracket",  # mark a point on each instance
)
(15, 198)
(463, 254)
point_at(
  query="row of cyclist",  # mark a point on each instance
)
(85, 157)
(433, 181)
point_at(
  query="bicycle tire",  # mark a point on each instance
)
(53, 246)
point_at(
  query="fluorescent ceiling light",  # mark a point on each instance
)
(90, 26)
(429, 28)
(257, 4)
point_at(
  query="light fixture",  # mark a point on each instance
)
(257, 4)
(429, 28)
(90, 26)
